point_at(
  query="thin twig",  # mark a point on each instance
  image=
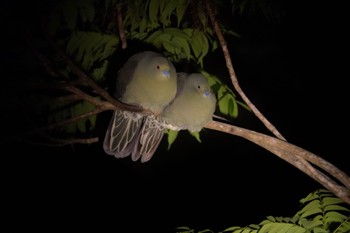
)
(59, 142)
(45, 62)
(96, 111)
(98, 103)
(233, 74)
(121, 29)
(71, 98)
(85, 79)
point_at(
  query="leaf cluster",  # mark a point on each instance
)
(321, 212)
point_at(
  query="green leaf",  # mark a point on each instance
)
(206, 231)
(310, 197)
(344, 227)
(232, 228)
(165, 14)
(160, 39)
(197, 41)
(203, 18)
(168, 47)
(72, 44)
(336, 208)
(153, 37)
(81, 125)
(311, 212)
(226, 102)
(214, 45)
(196, 135)
(180, 10)
(315, 204)
(90, 47)
(108, 47)
(277, 227)
(162, 4)
(175, 32)
(334, 217)
(331, 201)
(319, 230)
(182, 45)
(232, 108)
(77, 110)
(296, 229)
(135, 23)
(254, 226)
(200, 45)
(184, 229)
(264, 222)
(92, 120)
(99, 73)
(143, 25)
(313, 224)
(172, 135)
(248, 231)
(205, 47)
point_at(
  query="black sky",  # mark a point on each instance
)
(292, 70)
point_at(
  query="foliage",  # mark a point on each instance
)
(87, 31)
(321, 212)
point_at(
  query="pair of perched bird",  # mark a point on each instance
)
(179, 101)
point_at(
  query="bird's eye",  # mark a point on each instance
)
(158, 67)
(199, 87)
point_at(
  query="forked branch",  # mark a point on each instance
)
(294, 155)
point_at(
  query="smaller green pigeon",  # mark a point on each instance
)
(193, 106)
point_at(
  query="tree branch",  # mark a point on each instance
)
(294, 155)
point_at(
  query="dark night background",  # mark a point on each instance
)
(291, 69)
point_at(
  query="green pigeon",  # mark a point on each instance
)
(193, 106)
(148, 80)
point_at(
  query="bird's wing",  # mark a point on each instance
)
(122, 133)
(150, 136)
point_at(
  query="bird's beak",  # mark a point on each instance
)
(166, 73)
